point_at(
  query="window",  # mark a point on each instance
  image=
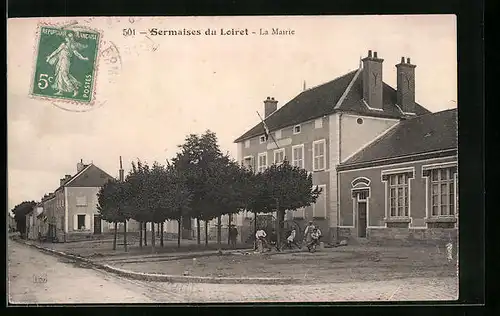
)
(398, 194)
(442, 192)
(247, 143)
(262, 139)
(362, 195)
(81, 201)
(277, 134)
(262, 162)
(319, 208)
(296, 129)
(359, 121)
(81, 222)
(298, 156)
(62, 223)
(319, 155)
(318, 123)
(248, 163)
(279, 156)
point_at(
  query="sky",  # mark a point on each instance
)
(189, 84)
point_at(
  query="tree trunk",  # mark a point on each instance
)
(206, 233)
(278, 224)
(255, 229)
(230, 219)
(153, 237)
(219, 230)
(179, 227)
(115, 234)
(145, 234)
(157, 229)
(140, 234)
(125, 235)
(198, 237)
(161, 235)
(280, 221)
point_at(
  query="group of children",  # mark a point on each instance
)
(312, 235)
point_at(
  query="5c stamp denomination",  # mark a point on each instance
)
(66, 62)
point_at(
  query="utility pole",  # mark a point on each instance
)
(121, 178)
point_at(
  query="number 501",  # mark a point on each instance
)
(43, 81)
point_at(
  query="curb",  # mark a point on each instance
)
(165, 277)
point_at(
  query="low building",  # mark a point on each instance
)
(49, 209)
(33, 222)
(403, 185)
(72, 208)
(323, 126)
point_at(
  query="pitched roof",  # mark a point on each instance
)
(322, 100)
(90, 176)
(74, 179)
(422, 134)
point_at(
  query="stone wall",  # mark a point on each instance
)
(404, 236)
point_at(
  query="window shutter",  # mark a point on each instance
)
(87, 222)
(75, 222)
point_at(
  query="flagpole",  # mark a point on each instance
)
(267, 130)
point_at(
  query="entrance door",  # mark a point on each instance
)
(362, 219)
(97, 224)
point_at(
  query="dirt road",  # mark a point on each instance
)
(35, 277)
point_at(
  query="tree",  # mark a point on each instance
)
(255, 194)
(138, 199)
(179, 197)
(198, 160)
(290, 188)
(20, 211)
(225, 192)
(112, 206)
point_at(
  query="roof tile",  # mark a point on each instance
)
(422, 134)
(321, 100)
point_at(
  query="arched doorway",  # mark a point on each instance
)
(361, 196)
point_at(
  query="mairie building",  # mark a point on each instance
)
(386, 164)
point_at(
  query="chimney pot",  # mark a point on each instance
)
(270, 105)
(372, 80)
(405, 96)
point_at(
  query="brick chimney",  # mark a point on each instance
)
(270, 105)
(406, 85)
(80, 166)
(372, 80)
(61, 181)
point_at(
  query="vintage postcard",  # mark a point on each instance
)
(232, 159)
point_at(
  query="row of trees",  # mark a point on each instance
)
(202, 183)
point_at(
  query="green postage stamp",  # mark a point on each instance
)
(65, 65)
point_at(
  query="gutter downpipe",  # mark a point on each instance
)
(337, 229)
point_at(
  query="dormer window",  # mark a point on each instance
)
(296, 129)
(262, 139)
